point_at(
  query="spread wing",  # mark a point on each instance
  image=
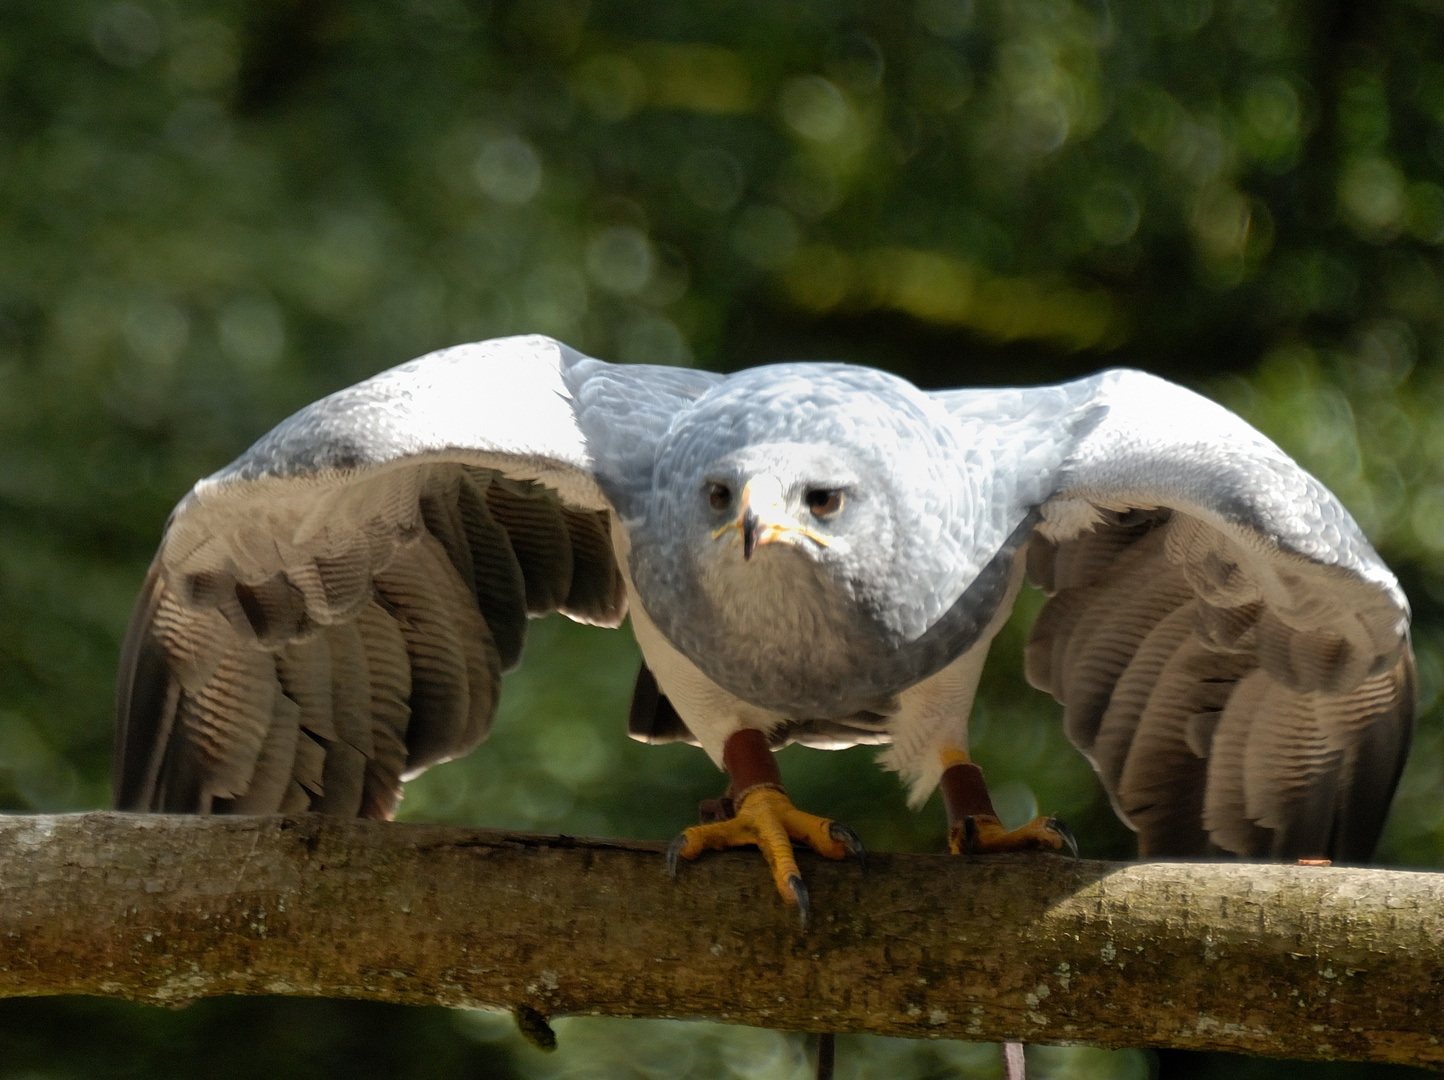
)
(1230, 652)
(332, 612)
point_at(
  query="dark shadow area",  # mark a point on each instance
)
(1187, 1065)
(239, 1039)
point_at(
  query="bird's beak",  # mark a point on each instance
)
(748, 525)
(762, 517)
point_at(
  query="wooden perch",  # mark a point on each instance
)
(1280, 960)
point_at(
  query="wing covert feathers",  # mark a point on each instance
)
(332, 614)
(249, 698)
(1231, 700)
(1230, 652)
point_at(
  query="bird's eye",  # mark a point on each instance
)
(719, 496)
(824, 502)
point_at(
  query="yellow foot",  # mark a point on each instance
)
(766, 817)
(984, 834)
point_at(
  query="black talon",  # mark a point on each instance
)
(674, 852)
(1069, 840)
(799, 890)
(970, 836)
(850, 840)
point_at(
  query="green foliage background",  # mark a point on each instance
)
(212, 212)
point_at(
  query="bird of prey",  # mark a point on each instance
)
(815, 553)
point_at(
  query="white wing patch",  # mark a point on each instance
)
(332, 613)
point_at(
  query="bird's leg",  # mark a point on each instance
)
(973, 825)
(763, 815)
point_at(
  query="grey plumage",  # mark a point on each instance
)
(332, 613)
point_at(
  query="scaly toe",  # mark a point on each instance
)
(765, 817)
(984, 834)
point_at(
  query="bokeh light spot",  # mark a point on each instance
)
(815, 108)
(508, 170)
(126, 35)
(1197, 149)
(1426, 518)
(619, 260)
(671, 276)
(1232, 231)
(574, 753)
(1364, 110)
(1151, 114)
(648, 338)
(1426, 212)
(157, 331)
(1015, 803)
(555, 297)
(1372, 195)
(1271, 118)
(251, 331)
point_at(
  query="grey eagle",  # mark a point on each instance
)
(814, 553)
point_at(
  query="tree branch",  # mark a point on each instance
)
(1279, 960)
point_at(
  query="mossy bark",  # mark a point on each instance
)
(1279, 960)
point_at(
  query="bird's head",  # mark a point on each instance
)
(808, 501)
(778, 527)
(807, 495)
